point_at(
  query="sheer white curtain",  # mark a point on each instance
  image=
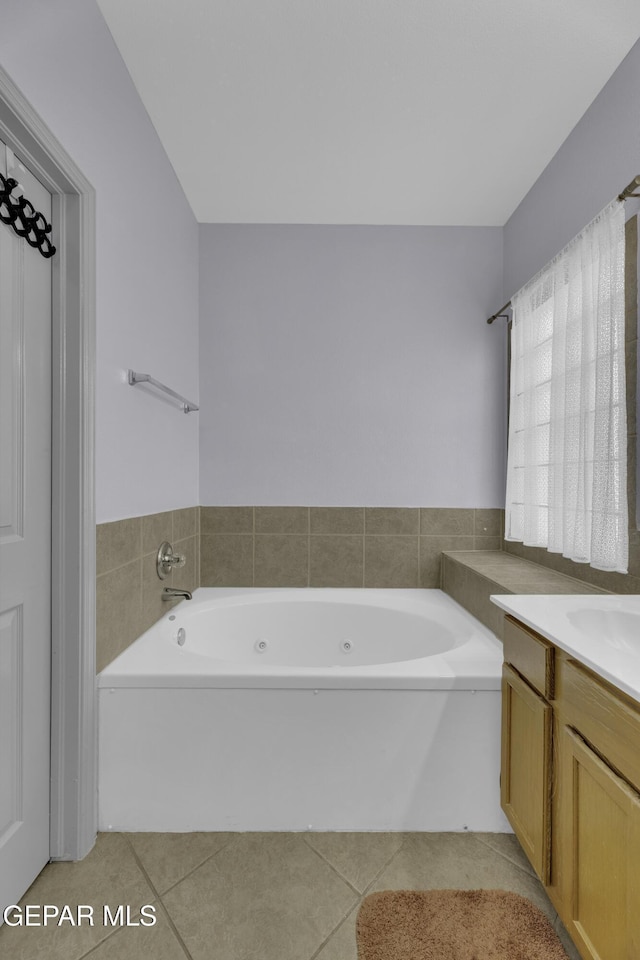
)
(567, 450)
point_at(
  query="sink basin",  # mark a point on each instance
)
(618, 629)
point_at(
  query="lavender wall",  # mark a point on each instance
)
(599, 157)
(62, 57)
(351, 366)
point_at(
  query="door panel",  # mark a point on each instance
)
(25, 551)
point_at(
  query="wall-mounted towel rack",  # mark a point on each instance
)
(187, 405)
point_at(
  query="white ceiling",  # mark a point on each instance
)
(366, 111)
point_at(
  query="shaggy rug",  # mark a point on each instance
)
(454, 925)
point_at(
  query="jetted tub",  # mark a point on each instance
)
(317, 709)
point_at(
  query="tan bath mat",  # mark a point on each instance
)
(454, 925)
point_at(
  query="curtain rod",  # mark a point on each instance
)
(625, 195)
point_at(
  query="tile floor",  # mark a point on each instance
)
(255, 896)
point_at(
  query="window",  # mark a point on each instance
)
(567, 450)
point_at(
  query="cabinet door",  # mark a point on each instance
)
(601, 833)
(525, 782)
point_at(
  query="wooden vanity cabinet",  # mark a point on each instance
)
(526, 773)
(570, 787)
(599, 819)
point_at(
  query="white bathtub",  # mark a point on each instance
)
(248, 709)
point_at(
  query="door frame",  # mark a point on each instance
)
(73, 801)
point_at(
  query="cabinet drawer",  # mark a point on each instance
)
(531, 655)
(603, 717)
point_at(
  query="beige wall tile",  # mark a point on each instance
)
(487, 523)
(117, 543)
(226, 520)
(282, 520)
(336, 561)
(187, 576)
(391, 561)
(118, 611)
(186, 523)
(281, 560)
(446, 521)
(392, 520)
(156, 528)
(329, 520)
(487, 543)
(153, 607)
(226, 560)
(472, 592)
(431, 554)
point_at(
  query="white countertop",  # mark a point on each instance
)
(601, 631)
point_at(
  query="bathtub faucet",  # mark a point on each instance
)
(174, 593)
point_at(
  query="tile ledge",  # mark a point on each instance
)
(504, 570)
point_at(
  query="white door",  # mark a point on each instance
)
(25, 550)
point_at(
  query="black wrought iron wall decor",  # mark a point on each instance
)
(26, 221)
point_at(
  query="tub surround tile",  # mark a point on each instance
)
(336, 561)
(226, 520)
(470, 577)
(379, 547)
(263, 895)
(186, 523)
(281, 560)
(336, 520)
(186, 576)
(117, 543)
(487, 543)
(118, 611)
(472, 592)
(391, 561)
(153, 607)
(156, 528)
(487, 523)
(226, 560)
(431, 549)
(441, 521)
(392, 520)
(282, 520)
(128, 594)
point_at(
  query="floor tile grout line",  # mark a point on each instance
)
(528, 873)
(329, 864)
(159, 900)
(324, 943)
(361, 896)
(383, 868)
(197, 867)
(156, 898)
(100, 943)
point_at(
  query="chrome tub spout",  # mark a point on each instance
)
(175, 593)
